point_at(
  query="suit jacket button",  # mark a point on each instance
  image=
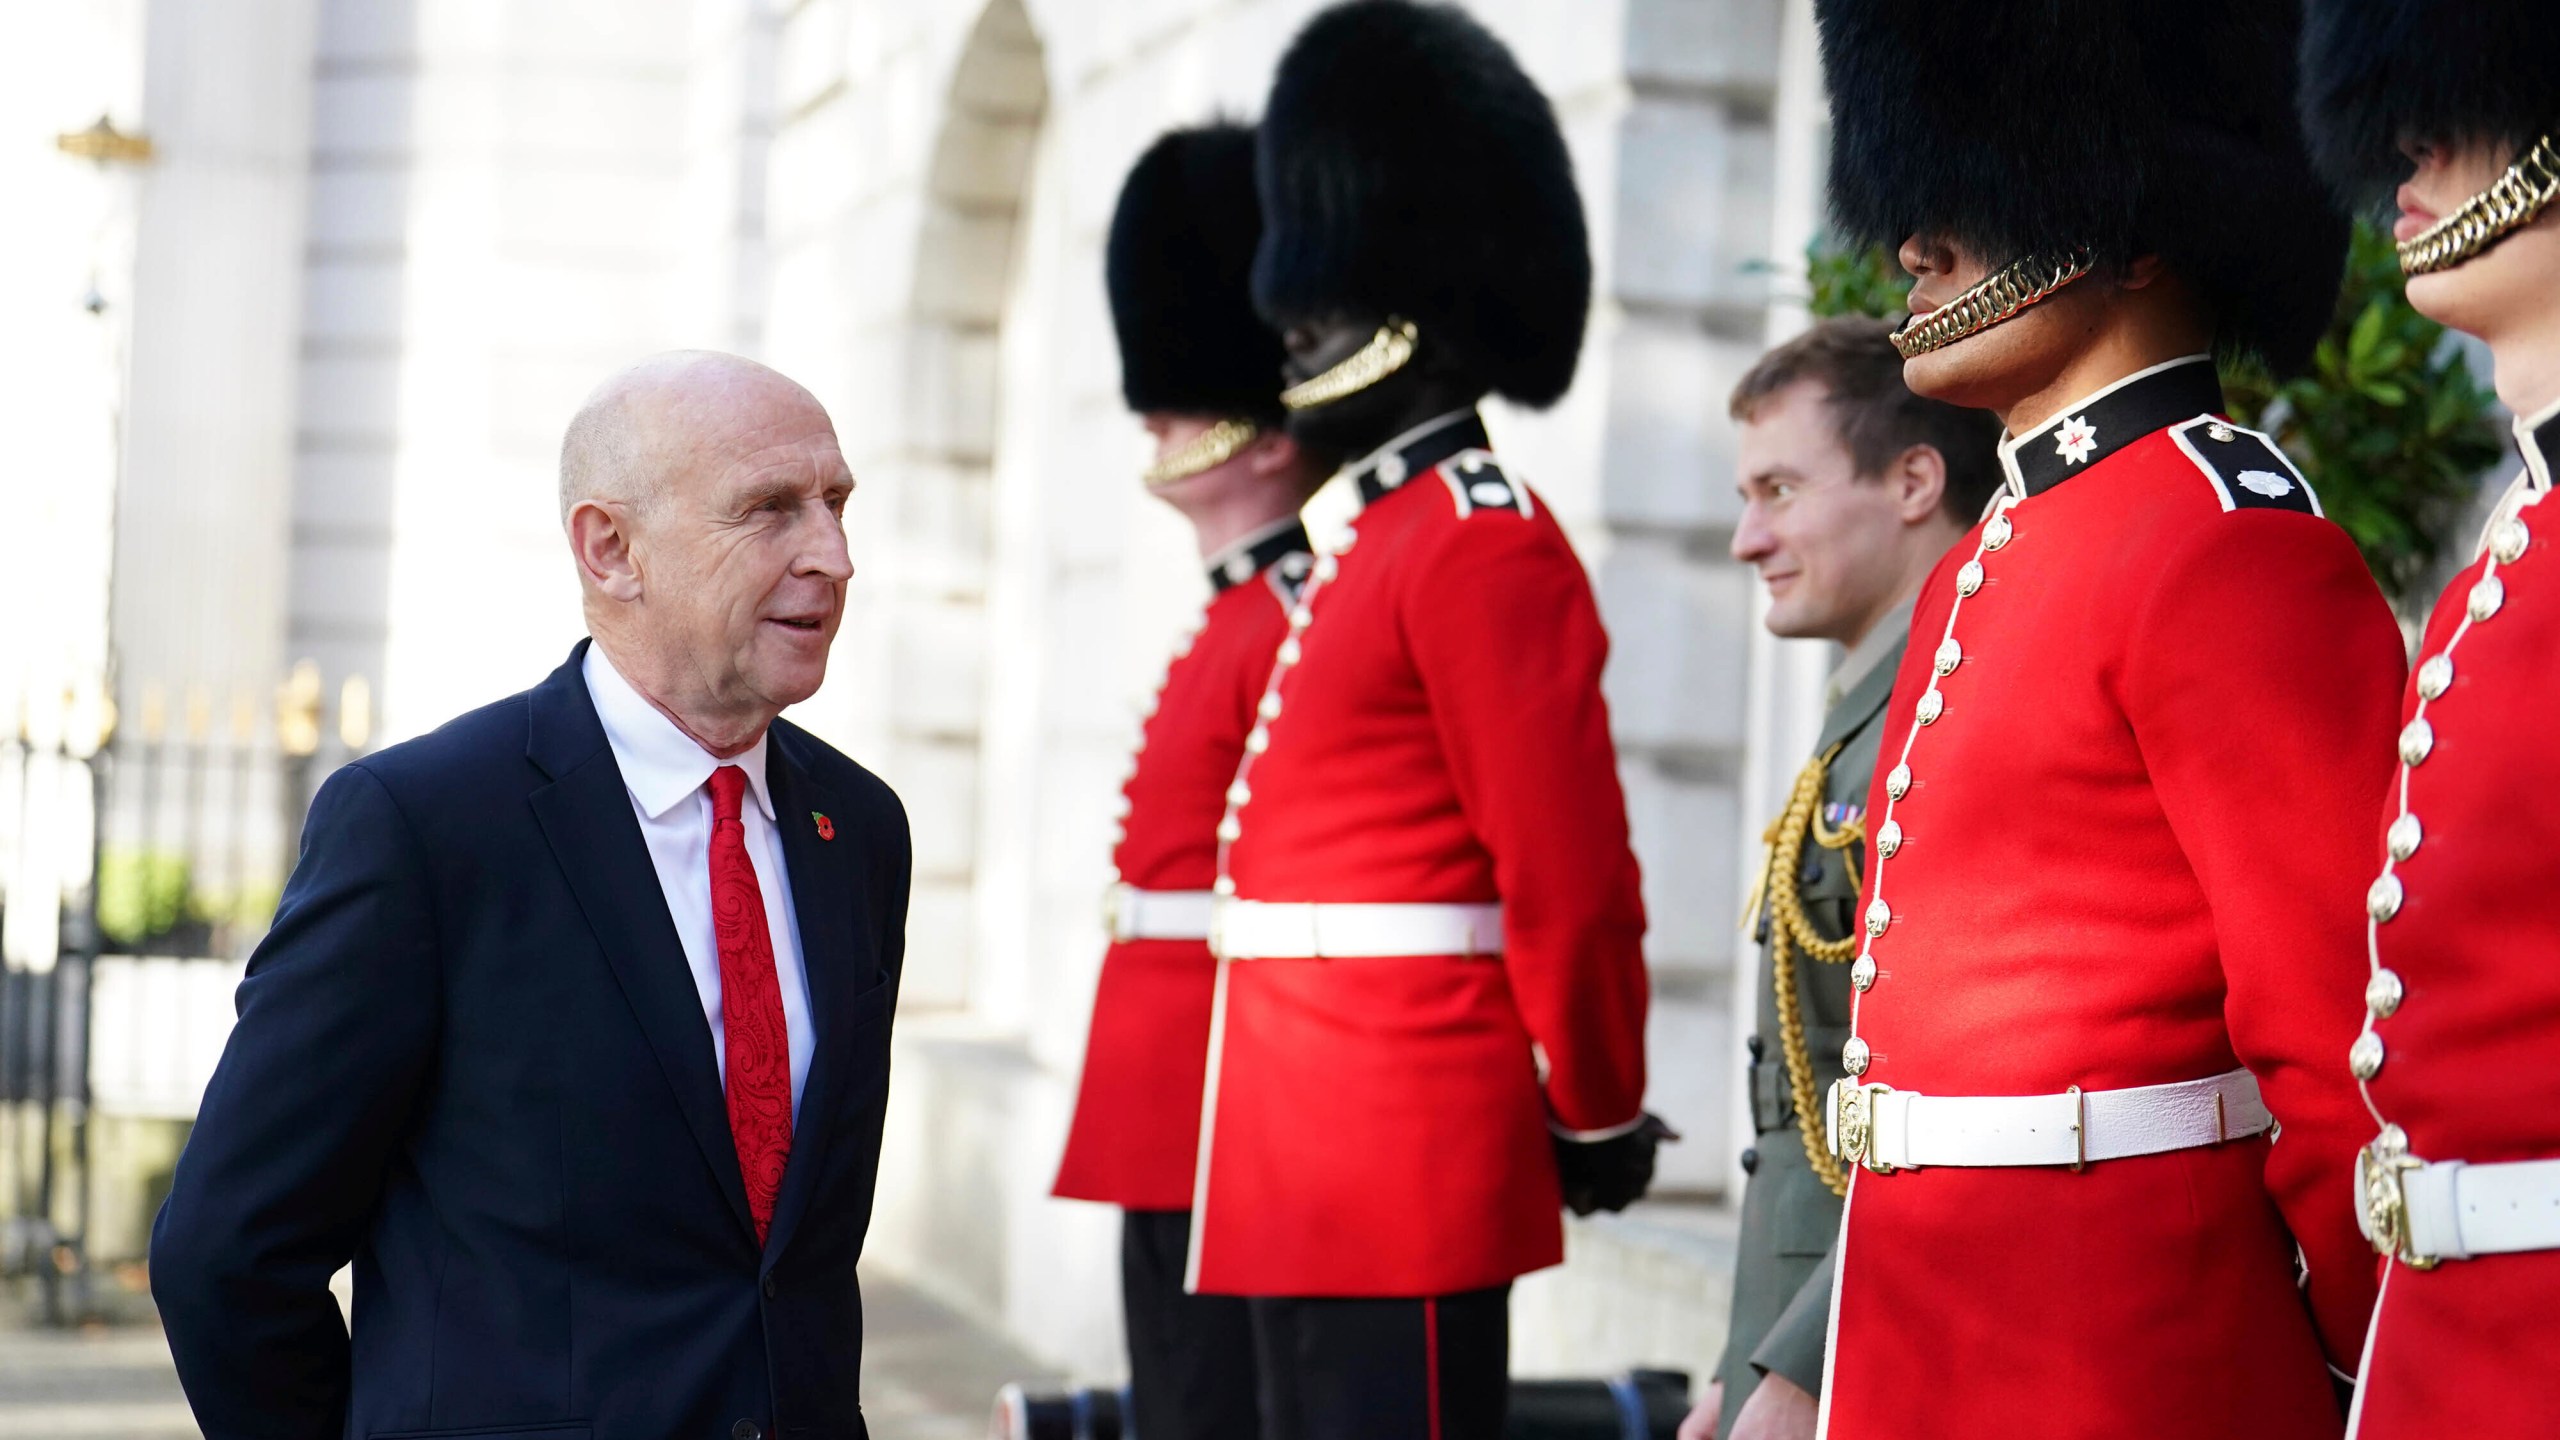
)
(769, 1289)
(745, 1430)
(1751, 1160)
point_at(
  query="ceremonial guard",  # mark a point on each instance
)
(1205, 372)
(1431, 1001)
(2109, 956)
(1852, 487)
(2460, 1190)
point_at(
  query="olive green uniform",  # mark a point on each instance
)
(1782, 1277)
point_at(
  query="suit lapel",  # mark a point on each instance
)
(586, 816)
(828, 898)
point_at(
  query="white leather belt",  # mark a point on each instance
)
(1268, 930)
(1135, 914)
(2447, 1210)
(1886, 1129)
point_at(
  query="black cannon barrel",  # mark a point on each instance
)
(1635, 1405)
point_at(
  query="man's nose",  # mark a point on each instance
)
(828, 555)
(1751, 538)
(1922, 257)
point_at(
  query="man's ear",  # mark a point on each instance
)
(1919, 480)
(600, 536)
(1273, 453)
(2138, 273)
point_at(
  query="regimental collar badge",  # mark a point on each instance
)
(1250, 556)
(2076, 441)
(1415, 452)
(2097, 426)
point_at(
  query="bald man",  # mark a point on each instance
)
(571, 1034)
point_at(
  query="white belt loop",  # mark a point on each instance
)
(1893, 1129)
(1298, 930)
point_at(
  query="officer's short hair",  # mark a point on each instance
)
(1853, 360)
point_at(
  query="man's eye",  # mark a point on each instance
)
(1782, 492)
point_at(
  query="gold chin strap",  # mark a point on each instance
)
(2510, 202)
(1207, 450)
(1998, 296)
(1791, 930)
(1384, 355)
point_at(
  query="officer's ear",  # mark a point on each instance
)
(2139, 273)
(1275, 455)
(1917, 479)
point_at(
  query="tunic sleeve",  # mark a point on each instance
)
(1504, 631)
(2262, 684)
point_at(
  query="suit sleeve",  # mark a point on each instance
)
(336, 1031)
(2263, 684)
(1794, 1345)
(1505, 634)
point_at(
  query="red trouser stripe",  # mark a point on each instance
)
(1431, 1361)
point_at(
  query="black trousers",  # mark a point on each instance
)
(1191, 1357)
(1429, 1369)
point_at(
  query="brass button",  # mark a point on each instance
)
(1969, 578)
(2382, 901)
(1950, 655)
(1879, 915)
(1224, 885)
(2417, 741)
(1257, 739)
(1863, 974)
(1300, 617)
(2508, 540)
(1853, 1056)
(1326, 568)
(1897, 781)
(1289, 651)
(2487, 596)
(2404, 837)
(2364, 1058)
(1269, 709)
(2383, 994)
(1997, 533)
(1391, 470)
(2435, 677)
(1239, 794)
(1932, 705)
(1888, 839)
(1230, 829)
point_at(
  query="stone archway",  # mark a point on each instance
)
(968, 240)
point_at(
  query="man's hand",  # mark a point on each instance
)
(1701, 1421)
(1778, 1409)
(1610, 1174)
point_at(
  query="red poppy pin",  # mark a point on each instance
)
(826, 827)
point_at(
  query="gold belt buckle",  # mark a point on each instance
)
(1853, 1122)
(2381, 1171)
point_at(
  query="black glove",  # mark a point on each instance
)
(1610, 1174)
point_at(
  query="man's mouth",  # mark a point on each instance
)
(807, 624)
(2415, 217)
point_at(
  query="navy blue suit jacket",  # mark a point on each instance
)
(471, 1059)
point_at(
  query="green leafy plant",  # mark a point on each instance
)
(2390, 425)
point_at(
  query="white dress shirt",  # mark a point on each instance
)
(666, 774)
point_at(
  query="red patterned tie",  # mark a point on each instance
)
(759, 1049)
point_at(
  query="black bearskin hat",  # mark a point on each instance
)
(2375, 72)
(2132, 127)
(1410, 168)
(1178, 267)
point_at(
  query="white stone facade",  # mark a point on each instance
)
(487, 205)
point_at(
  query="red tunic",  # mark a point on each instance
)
(1379, 1126)
(1136, 1131)
(2131, 845)
(2466, 1068)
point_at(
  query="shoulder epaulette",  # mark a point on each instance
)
(2247, 470)
(1476, 482)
